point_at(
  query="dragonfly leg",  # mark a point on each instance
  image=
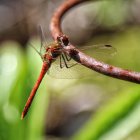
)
(65, 62)
(61, 63)
(67, 57)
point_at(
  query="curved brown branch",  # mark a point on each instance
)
(83, 59)
(55, 21)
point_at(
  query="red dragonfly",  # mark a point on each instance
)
(51, 53)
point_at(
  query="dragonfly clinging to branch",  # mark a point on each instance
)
(51, 53)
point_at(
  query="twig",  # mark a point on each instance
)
(56, 18)
(80, 57)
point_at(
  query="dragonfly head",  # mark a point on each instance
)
(63, 40)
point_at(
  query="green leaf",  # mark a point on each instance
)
(108, 115)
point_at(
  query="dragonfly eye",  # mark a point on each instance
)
(63, 40)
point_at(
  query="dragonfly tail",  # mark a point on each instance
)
(44, 69)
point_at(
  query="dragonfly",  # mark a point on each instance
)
(54, 53)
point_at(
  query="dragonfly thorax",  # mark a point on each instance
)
(52, 52)
(56, 52)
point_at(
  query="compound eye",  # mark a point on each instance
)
(63, 40)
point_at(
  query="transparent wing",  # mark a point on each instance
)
(43, 39)
(75, 71)
(101, 52)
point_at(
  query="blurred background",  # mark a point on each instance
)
(95, 107)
